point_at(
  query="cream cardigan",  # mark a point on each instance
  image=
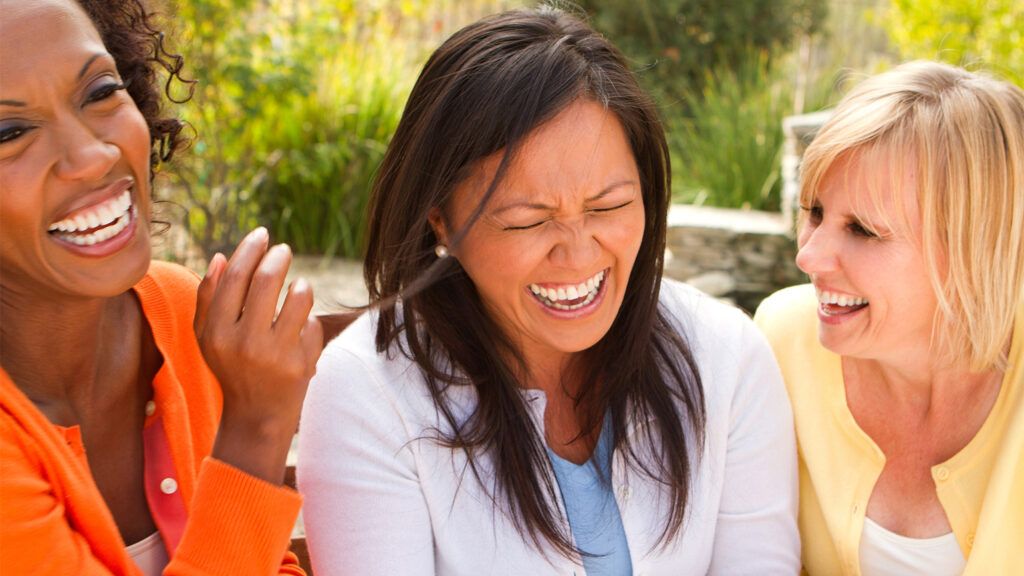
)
(981, 488)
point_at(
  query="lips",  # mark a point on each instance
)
(569, 297)
(837, 304)
(96, 223)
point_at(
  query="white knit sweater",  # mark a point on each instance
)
(382, 498)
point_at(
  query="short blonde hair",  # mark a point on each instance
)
(962, 135)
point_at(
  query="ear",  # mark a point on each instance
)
(437, 222)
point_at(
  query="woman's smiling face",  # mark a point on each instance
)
(74, 157)
(866, 262)
(552, 252)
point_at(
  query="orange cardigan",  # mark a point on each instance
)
(53, 520)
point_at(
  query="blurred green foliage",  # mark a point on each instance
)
(985, 33)
(726, 151)
(718, 71)
(295, 103)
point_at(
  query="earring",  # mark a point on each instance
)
(441, 250)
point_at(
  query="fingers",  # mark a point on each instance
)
(296, 308)
(226, 306)
(207, 290)
(312, 339)
(266, 284)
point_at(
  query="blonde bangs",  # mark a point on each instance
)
(961, 136)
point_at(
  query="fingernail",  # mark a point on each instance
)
(259, 234)
(300, 285)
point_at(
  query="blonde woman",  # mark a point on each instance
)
(903, 358)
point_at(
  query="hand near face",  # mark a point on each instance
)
(263, 361)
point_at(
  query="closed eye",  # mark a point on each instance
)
(858, 229)
(609, 209)
(814, 213)
(526, 227)
(11, 133)
(105, 91)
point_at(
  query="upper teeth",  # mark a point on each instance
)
(841, 299)
(587, 288)
(98, 215)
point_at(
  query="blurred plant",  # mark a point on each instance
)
(676, 42)
(986, 33)
(295, 104)
(727, 152)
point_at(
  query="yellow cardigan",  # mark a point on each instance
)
(981, 488)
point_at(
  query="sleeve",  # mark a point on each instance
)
(757, 527)
(365, 510)
(239, 524)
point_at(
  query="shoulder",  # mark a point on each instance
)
(351, 369)
(171, 278)
(789, 319)
(710, 327)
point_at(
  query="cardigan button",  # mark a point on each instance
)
(941, 473)
(150, 408)
(168, 485)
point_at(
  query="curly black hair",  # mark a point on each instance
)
(129, 34)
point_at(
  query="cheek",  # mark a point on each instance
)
(131, 134)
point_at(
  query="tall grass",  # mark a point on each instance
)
(726, 150)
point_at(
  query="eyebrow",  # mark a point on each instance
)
(539, 206)
(88, 63)
(85, 68)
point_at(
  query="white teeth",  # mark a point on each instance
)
(100, 215)
(837, 299)
(100, 235)
(587, 290)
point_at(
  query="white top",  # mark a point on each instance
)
(149, 554)
(382, 497)
(886, 553)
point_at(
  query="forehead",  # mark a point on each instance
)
(871, 180)
(576, 152)
(39, 36)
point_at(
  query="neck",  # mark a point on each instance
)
(923, 383)
(56, 349)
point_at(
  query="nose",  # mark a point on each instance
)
(85, 154)
(818, 251)
(577, 248)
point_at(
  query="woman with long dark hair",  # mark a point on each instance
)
(527, 395)
(128, 445)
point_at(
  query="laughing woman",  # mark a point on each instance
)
(126, 445)
(539, 401)
(905, 359)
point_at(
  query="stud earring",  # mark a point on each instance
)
(441, 250)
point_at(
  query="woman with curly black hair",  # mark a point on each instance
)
(128, 445)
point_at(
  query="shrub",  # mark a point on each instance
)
(727, 152)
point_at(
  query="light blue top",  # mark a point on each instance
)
(593, 513)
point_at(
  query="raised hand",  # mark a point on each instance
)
(263, 361)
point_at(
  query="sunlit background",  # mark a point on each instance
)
(297, 99)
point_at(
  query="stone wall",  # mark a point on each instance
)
(738, 255)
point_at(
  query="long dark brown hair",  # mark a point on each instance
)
(482, 92)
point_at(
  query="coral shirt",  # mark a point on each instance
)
(213, 518)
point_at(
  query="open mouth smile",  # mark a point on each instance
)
(569, 297)
(96, 224)
(836, 304)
